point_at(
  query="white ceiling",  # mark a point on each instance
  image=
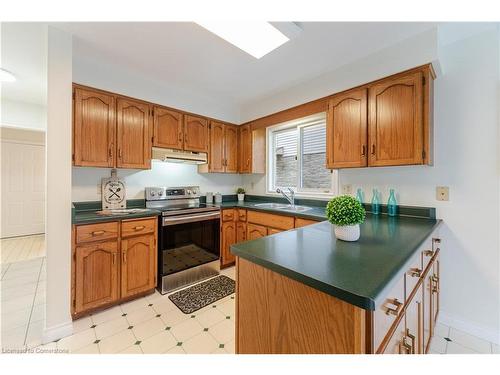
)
(183, 54)
(24, 53)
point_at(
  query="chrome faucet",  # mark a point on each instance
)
(289, 197)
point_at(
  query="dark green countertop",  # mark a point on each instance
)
(315, 213)
(356, 272)
(86, 212)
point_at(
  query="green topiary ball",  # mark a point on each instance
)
(345, 210)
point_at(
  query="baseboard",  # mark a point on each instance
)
(57, 332)
(470, 328)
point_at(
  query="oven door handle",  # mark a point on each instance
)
(190, 218)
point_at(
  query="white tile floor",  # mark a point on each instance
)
(152, 324)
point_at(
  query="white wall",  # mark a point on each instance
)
(466, 160)
(86, 180)
(23, 115)
(58, 223)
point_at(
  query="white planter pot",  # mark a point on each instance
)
(241, 197)
(347, 232)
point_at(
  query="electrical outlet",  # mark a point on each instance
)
(347, 189)
(442, 193)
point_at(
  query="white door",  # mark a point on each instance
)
(23, 189)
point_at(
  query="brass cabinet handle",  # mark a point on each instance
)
(114, 258)
(435, 287)
(373, 149)
(180, 137)
(185, 138)
(404, 346)
(120, 153)
(395, 311)
(124, 256)
(98, 233)
(248, 162)
(139, 227)
(363, 150)
(429, 253)
(415, 272)
(110, 150)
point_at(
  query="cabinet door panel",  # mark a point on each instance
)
(195, 134)
(167, 128)
(96, 275)
(346, 130)
(216, 147)
(255, 231)
(231, 148)
(395, 121)
(228, 239)
(241, 232)
(245, 147)
(93, 129)
(138, 264)
(133, 134)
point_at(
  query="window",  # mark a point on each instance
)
(297, 157)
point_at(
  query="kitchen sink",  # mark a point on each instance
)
(281, 206)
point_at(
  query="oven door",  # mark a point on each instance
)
(188, 241)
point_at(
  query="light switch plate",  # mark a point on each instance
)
(442, 193)
(347, 189)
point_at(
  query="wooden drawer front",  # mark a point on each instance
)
(228, 215)
(299, 223)
(388, 312)
(142, 226)
(242, 215)
(413, 274)
(270, 220)
(96, 232)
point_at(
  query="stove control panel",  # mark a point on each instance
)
(166, 193)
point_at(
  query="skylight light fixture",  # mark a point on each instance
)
(256, 38)
(6, 76)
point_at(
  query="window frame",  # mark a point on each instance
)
(299, 124)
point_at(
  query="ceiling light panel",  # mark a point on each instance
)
(256, 38)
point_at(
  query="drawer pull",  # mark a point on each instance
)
(114, 258)
(98, 233)
(435, 287)
(395, 311)
(436, 240)
(415, 272)
(404, 348)
(412, 338)
(124, 256)
(139, 227)
(429, 253)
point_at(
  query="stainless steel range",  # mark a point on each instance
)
(188, 236)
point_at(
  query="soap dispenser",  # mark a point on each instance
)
(375, 203)
(392, 206)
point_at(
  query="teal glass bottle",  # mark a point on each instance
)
(359, 195)
(375, 203)
(392, 205)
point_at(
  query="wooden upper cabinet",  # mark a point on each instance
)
(93, 128)
(216, 154)
(167, 128)
(196, 134)
(396, 121)
(138, 264)
(231, 148)
(346, 130)
(96, 270)
(133, 134)
(245, 148)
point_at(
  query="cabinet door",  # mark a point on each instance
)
(435, 290)
(216, 155)
(427, 304)
(96, 275)
(245, 147)
(228, 239)
(231, 148)
(346, 130)
(255, 231)
(395, 121)
(241, 232)
(138, 264)
(195, 134)
(133, 134)
(93, 129)
(414, 322)
(167, 128)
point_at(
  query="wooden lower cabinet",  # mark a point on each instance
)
(273, 231)
(108, 271)
(97, 278)
(228, 238)
(255, 231)
(138, 265)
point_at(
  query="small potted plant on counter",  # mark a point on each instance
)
(345, 213)
(241, 194)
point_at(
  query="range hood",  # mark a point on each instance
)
(179, 156)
